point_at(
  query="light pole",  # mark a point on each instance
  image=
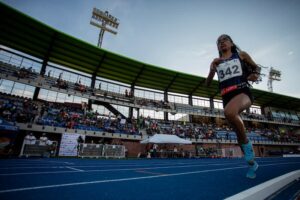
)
(105, 22)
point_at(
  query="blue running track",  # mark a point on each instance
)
(176, 179)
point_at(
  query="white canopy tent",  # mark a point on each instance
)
(165, 139)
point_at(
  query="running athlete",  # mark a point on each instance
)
(235, 68)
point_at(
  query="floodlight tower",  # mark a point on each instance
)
(101, 20)
(274, 75)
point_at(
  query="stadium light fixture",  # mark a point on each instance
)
(274, 75)
(104, 21)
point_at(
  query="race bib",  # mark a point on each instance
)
(229, 69)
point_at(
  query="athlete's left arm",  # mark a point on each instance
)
(246, 58)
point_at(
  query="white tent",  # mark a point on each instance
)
(165, 139)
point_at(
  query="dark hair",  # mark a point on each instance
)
(234, 48)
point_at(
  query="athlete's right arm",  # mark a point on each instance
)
(212, 71)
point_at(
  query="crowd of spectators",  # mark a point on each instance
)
(212, 131)
(63, 84)
(24, 72)
(80, 87)
(76, 116)
(129, 94)
(166, 151)
(60, 83)
(252, 115)
(67, 115)
(18, 109)
(280, 135)
(154, 103)
(181, 129)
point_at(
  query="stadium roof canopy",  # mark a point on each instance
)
(25, 34)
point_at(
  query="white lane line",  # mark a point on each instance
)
(59, 162)
(35, 164)
(135, 165)
(93, 165)
(264, 190)
(46, 165)
(112, 170)
(132, 169)
(116, 180)
(38, 167)
(98, 165)
(79, 170)
(130, 179)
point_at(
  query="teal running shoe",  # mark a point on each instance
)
(248, 152)
(251, 171)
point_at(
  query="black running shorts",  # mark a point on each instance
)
(227, 97)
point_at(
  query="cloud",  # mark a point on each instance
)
(266, 51)
(195, 60)
(290, 53)
(205, 53)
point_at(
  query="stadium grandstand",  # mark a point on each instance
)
(102, 105)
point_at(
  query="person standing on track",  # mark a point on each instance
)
(235, 68)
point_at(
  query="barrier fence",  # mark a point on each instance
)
(37, 148)
(101, 151)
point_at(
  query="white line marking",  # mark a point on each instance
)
(40, 162)
(264, 190)
(115, 180)
(111, 170)
(126, 169)
(46, 164)
(103, 166)
(129, 179)
(41, 167)
(79, 170)
(69, 163)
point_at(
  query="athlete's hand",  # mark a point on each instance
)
(215, 63)
(253, 77)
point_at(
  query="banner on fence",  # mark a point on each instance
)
(69, 144)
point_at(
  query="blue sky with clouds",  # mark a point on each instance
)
(181, 35)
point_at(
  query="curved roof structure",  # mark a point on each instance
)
(25, 34)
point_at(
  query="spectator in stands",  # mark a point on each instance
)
(23, 72)
(175, 152)
(80, 87)
(6, 114)
(27, 139)
(227, 135)
(51, 147)
(235, 68)
(154, 150)
(30, 139)
(43, 139)
(61, 83)
(130, 93)
(80, 140)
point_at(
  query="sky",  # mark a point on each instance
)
(181, 34)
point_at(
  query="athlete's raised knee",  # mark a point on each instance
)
(230, 114)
